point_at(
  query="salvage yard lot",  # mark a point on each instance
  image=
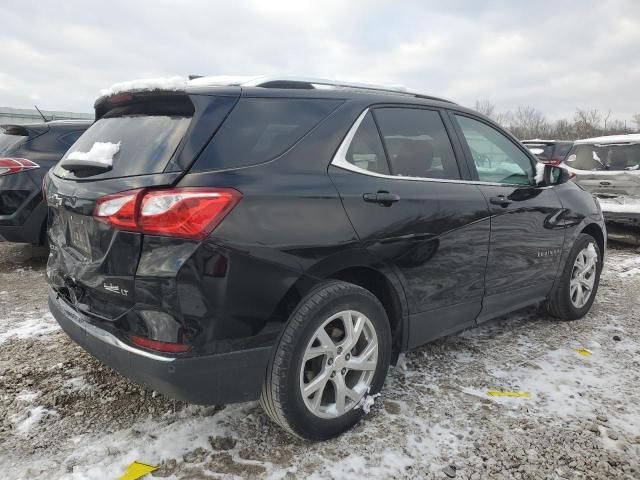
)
(63, 415)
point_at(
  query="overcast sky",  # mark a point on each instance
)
(553, 55)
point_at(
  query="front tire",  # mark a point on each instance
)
(578, 284)
(334, 351)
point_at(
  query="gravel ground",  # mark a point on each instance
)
(63, 415)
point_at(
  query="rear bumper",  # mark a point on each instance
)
(625, 218)
(212, 379)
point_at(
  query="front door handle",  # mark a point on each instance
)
(385, 199)
(501, 200)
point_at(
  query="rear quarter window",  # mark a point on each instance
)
(261, 129)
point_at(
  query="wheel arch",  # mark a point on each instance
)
(594, 230)
(354, 268)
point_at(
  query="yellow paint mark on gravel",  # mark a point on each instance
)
(583, 351)
(498, 393)
(137, 470)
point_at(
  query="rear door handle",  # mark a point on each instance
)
(382, 198)
(501, 200)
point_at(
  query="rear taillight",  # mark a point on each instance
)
(552, 161)
(191, 212)
(166, 347)
(9, 166)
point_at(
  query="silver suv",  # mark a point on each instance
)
(609, 167)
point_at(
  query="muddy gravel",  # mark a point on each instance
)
(63, 415)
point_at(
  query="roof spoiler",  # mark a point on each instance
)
(24, 130)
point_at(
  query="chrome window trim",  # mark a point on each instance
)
(340, 160)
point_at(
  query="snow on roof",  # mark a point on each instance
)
(629, 138)
(181, 83)
(176, 83)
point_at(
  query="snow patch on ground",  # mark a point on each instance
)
(30, 327)
(100, 152)
(30, 418)
(146, 84)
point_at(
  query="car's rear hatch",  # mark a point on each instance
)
(139, 141)
(608, 170)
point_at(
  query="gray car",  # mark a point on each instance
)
(609, 167)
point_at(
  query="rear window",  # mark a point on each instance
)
(605, 157)
(261, 129)
(147, 134)
(562, 149)
(9, 142)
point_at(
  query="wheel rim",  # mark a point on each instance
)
(583, 276)
(339, 364)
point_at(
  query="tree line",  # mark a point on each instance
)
(527, 123)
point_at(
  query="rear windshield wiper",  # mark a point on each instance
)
(85, 168)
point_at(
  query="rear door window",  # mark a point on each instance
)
(261, 129)
(417, 143)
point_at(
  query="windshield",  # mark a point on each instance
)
(605, 157)
(8, 142)
(146, 142)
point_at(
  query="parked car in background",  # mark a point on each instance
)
(26, 154)
(609, 168)
(287, 239)
(551, 152)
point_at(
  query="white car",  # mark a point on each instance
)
(609, 167)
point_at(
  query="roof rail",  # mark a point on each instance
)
(266, 81)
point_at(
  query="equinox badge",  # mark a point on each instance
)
(115, 289)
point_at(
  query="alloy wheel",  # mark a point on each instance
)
(339, 364)
(583, 276)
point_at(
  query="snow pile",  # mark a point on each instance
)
(539, 178)
(367, 402)
(33, 417)
(176, 83)
(31, 327)
(101, 152)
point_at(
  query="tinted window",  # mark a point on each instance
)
(417, 143)
(8, 142)
(70, 138)
(147, 142)
(496, 157)
(605, 157)
(562, 149)
(366, 150)
(260, 129)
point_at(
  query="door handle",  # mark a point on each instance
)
(382, 198)
(501, 200)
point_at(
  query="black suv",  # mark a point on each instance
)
(27, 152)
(552, 152)
(287, 239)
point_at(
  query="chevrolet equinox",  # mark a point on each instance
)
(222, 240)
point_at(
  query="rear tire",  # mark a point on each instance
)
(578, 283)
(322, 369)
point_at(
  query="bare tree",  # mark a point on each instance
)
(636, 120)
(563, 130)
(587, 123)
(527, 122)
(485, 107)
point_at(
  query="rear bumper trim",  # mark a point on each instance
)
(209, 379)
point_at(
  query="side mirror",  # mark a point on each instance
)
(555, 175)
